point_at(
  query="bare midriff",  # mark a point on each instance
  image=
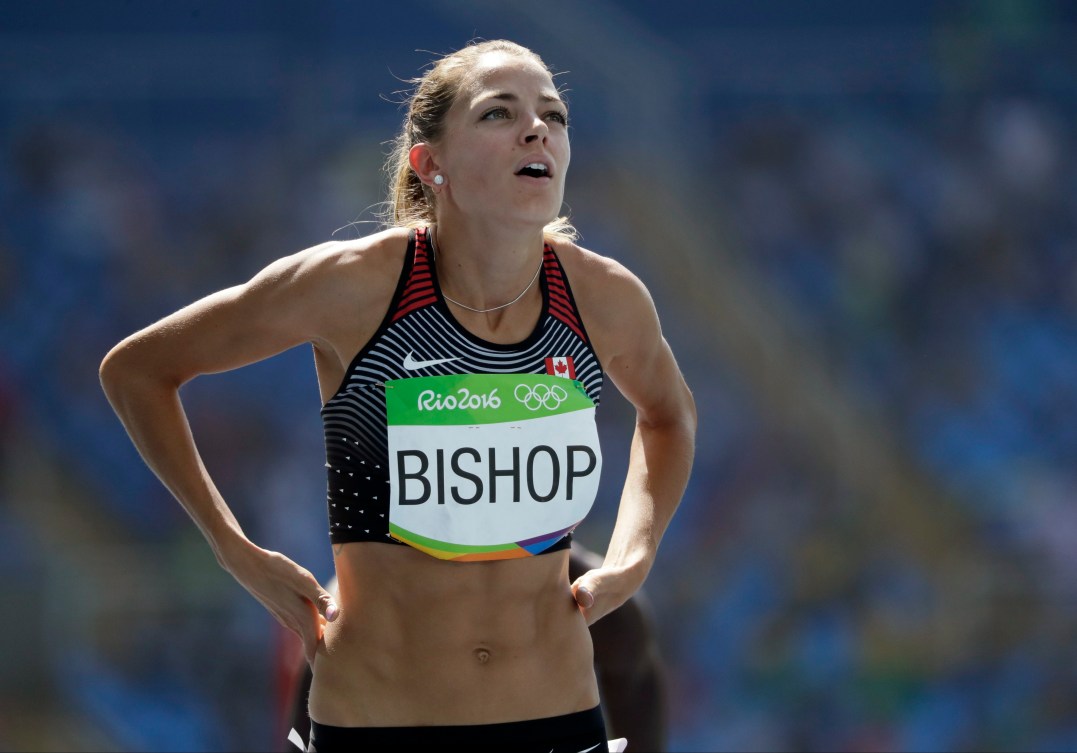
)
(421, 641)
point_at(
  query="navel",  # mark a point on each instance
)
(482, 655)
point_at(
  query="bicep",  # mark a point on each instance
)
(642, 364)
(270, 313)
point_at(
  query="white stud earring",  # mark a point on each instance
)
(439, 180)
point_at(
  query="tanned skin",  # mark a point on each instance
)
(629, 666)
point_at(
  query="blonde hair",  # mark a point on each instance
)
(410, 203)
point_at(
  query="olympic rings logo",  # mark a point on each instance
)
(540, 396)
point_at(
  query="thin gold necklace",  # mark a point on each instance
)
(434, 250)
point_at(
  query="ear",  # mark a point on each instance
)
(423, 162)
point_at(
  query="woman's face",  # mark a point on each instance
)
(505, 149)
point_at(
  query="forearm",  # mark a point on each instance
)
(151, 412)
(658, 469)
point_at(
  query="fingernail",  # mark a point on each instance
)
(331, 612)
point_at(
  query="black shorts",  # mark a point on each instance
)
(571, 733)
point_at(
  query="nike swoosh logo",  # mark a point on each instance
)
(411, 364)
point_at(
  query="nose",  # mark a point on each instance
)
(537, 130)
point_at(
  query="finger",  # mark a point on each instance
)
(583, 594)
(328, 607)
(323, 600)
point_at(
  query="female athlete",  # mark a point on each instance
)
(460, 356)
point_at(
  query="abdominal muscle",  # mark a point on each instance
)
(421, 641)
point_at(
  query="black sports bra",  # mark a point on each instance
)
(393, 467)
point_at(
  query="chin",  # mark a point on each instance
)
(533, 218)
(539, 222)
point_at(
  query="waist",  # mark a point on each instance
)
(422, 641)
(585, 728)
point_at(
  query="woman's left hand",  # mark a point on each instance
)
(600, 591)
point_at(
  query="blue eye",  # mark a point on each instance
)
(558, 116)
(495, 114)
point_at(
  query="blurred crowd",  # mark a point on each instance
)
(928, 247)
(933, 257)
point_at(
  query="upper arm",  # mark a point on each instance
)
(283, 305)
(635, 353)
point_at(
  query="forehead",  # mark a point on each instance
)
(500, 72)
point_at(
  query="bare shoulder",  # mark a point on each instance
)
(615, 304)
(325, 295)
(586, 267)
(363, 262)
(337, 281)
(345, 288)
(623, 324)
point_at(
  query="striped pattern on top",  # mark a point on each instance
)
(562, 307)
(419, 330)
(419, 291)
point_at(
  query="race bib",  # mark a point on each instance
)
(489, 466)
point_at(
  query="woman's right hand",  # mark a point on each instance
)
(290, 592)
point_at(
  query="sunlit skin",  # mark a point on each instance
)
(508, 114)
(409, 639)
(463, 640)
(511, 112)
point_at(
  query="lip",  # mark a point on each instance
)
(541, 159)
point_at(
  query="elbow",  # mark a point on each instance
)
(684, 414)
(691, 416)
(676, 418)
(114, 371)
(687, 423)
(126, 367)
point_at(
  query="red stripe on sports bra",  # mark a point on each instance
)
(423, 303)
(561, 305)
(413, 295)
(561, 310)
(568, 323)
(419, 280)
(419, 289)
(561, 295)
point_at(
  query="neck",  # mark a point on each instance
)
(488, 265)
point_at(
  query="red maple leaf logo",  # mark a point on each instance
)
(560, 368)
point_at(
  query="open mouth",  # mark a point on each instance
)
(534, 170)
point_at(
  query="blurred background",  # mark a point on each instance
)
(859, 225)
